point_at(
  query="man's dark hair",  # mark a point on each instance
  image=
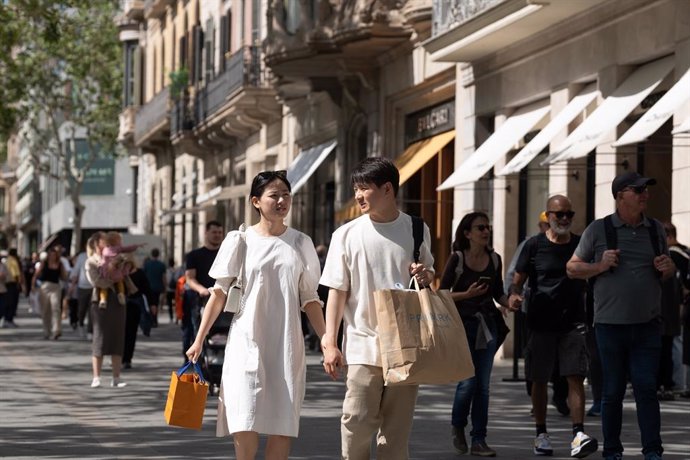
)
(377, 171)
(670, 229)
(213, 223)
(155, 253)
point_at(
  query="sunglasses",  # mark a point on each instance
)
(638, 189)
(482, 227)
(561, 214)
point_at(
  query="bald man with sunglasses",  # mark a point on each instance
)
(556, 316)
(627, 308)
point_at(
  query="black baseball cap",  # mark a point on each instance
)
(629, 179)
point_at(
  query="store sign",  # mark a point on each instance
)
(100, 177)
(429, 122)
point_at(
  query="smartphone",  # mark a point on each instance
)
(485, 280)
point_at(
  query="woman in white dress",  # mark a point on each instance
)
(264, 372)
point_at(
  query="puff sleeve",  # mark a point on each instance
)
(228, 261)
(309, 279)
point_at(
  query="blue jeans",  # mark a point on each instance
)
(474, 391)
(632, 350)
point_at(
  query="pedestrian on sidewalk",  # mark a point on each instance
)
(51, 273)
(374, 251)
(108, 322)
(155, 269)
(265, 347)
(627, 253)
(136, 302)
(556, 318)
(198, 281)
(473, 274)
(14, 284)
(82, 288)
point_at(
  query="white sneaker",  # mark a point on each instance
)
(542, 445)
(117, 383)
(582, 445)
(96, 382)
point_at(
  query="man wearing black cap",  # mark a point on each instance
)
(626, 253)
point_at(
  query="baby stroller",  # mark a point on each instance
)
(214, 350)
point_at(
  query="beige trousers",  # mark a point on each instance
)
(369, 407)
(51, 310)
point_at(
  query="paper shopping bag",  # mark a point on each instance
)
(186, 398)
(422, 338)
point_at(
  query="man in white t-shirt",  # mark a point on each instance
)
(372, 252)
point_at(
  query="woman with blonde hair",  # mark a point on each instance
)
(108, 322)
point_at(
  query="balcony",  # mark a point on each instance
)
(238, 100)
(127, 126)
(133, 9)
(156, 8)
(465, 31)
(332, 42)
(152, 121)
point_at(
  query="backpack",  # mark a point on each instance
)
(460, 267)
(612, 236)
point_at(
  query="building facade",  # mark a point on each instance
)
(561, 97)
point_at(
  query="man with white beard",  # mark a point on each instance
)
(556, 317)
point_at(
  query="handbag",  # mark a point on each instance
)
(233, 301)
(421, 337)
(186, 397)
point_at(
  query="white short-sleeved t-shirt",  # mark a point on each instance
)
(365, 256)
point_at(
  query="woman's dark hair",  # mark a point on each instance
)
(264, 178)
(461, 242)
(376, 171)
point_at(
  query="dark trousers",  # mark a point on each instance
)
(131, 326)
(595, 373)
(83, 306)
(630, 349)
(665, 377)
(191, 318)
(11, 301)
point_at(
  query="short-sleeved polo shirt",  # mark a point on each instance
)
(631, 292)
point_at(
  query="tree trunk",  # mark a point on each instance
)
(78, 209)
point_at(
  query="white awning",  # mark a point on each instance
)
(497, 145)
(658, 114)
(612, 111)
(219, 193)
(684, 127)
(555, 126)
(306, 164)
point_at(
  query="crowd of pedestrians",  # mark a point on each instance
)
(615, 298)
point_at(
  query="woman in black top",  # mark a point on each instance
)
(50, 273)
(473, 273)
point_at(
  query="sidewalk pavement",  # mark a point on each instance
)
(48, 410)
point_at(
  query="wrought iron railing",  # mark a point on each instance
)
(449, 13)
(242, 69)
(151, 114)
(181, 117)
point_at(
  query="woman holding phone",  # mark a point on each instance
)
(473, 274)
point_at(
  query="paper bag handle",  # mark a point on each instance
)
(197, 368)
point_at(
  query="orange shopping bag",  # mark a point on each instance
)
(186, 397)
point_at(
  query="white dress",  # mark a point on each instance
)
(264, 372)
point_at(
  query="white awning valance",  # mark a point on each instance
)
(497, 145)
(306, 163)
(612, 111)
(555, 126)
(659, 113)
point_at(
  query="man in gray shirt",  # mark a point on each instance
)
(628, 255)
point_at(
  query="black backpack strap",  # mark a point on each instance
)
(611, 235)
(654, 237)
(417, 235)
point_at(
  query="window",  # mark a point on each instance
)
(293, 15)
(129, 91)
